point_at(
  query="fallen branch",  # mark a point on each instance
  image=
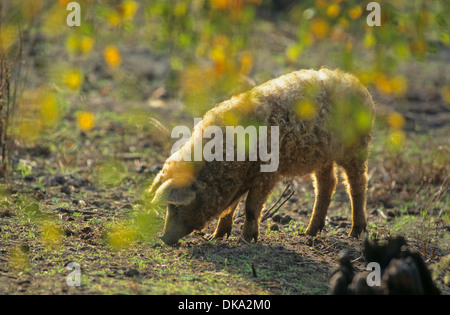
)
(269, 213)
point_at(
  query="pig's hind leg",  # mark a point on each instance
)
(325, 183)
(356, 173)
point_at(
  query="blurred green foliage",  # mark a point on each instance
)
(213, 46)
(213, 49)
(210, 43)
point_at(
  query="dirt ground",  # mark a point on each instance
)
(71, 194)
(85, 209)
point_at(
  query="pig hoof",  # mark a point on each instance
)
(356, 231)
(314, 228)
(250, 231)
(311, 232)
(249, 237)
(247, 241)
(221, 233)
(169, 241)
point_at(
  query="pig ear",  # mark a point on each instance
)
(156, 184)
(162, 192)
(179, 196)
(182, 196)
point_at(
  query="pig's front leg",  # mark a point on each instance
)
(254, 203)
(226, 221)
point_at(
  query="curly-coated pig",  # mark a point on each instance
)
(312, 121)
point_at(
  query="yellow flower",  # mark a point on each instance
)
(333, 10)
(73, 79)
(396, 86)
(86, 44)
(86, 121)
(246, 63)
(219, 58)
(219, 4)
(293, 52)
(396, 120)
(399, 85)
(129, 9)
(306, 110)
(382, 83)
(112, 56)
(114, 19)
(355, 12)
(319, 27)
(228, 4)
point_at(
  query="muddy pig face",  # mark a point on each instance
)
(182, 205)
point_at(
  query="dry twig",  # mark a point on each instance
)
(269, 213)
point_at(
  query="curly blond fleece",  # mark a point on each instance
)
(325, 119)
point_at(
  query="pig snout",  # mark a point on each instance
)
(174, 228)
